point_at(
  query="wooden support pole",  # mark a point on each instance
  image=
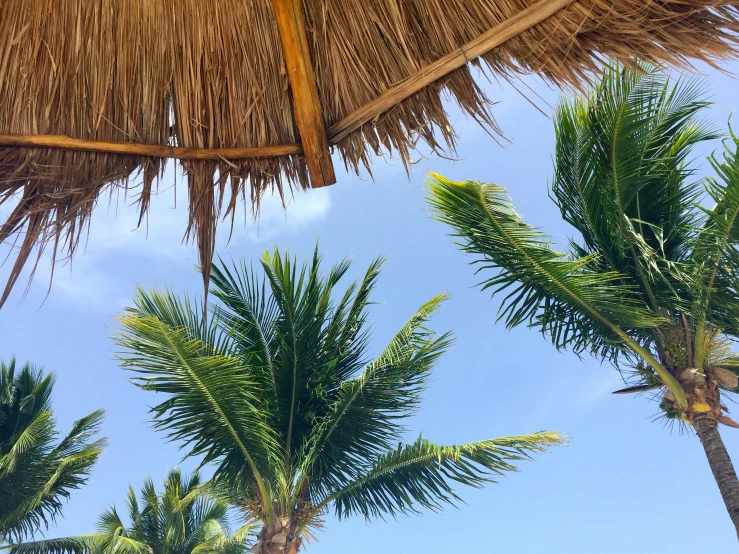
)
(153, 150)
(522, 21)
(307, 105)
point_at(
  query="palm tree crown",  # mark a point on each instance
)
(649, 282)
(183, 519)
(37, 472)
(278, 390)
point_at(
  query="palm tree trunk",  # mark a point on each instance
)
(292, 547)
(718, 458)
(274, 541)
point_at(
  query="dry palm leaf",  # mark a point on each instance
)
(96, 93)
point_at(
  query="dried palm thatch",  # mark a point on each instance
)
(95, 94)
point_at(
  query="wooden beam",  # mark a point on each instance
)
(522, 21)
(305, 95)
(153, 150)
(307, 105)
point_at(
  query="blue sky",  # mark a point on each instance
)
(624, 484)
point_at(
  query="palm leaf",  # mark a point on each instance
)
(566, 299)
(248, 314)
(83, 544)
(422, 475)
(715, 258)
(303, 300)
(210, 408)
(571, 300)
(292, 361)
(621, 170)
(36, 475)
(34, 434)
(365, 418)
(346, 334)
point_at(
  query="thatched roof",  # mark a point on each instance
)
(271, 79)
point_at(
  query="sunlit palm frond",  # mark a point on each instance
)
(159, 523)
(303, 296)
(247, 313)
(211, 405)
(296, 359)
(186, 314)
(347, 333)
(69, 465)
(34, 435)
(422, 475)
(622, 173)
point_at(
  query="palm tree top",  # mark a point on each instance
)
(650, 277)
(278, 389)
(645, 253)
(184, 518)
(37, 471)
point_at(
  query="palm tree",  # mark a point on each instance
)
(651, 282)
(37, 473)
(184, 519)
(277, 390)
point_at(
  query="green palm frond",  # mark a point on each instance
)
(248, 314)
(303, 297)
(290, 375)
(211, 405)
(623, 179)
(38, 471)
(650, 272)
(567, 299)
(366, 417)
(71, 462)
(33, 435)
(80, 434)
(422, 475)
(621, 155)
(572, 300)
(132, 506)
(346, 333)
(110, 523)
(159, 523)
(715, 258)
(185, 314)
(83, 544)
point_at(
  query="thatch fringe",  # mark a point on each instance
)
(211, 74)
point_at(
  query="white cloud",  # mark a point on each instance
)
(115, 228)
(84, 285)
(302, 209)
(92, 282)
(603, 381)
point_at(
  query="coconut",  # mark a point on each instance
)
(279, 539)
(693, 376)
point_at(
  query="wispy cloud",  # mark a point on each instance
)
(115, 228)
(598, 386)
(93, 281)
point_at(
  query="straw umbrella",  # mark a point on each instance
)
(253, 95)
